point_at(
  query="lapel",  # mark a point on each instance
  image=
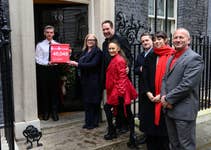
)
(180, 60)
(168, 65)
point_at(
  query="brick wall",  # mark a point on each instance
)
(135, 13)
(5, 8)
(192, 14)
(209, 20)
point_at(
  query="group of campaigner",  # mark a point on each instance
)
(168, 92)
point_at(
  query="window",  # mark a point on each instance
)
(161, 13)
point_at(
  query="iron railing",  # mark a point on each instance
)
(202, 46)
(130, 28)
(6, 78)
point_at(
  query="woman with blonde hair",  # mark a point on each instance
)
(89, 65)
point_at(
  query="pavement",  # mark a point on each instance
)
(67, 134)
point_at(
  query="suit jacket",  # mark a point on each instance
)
(181, 85)
(89, 65)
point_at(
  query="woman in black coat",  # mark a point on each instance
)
(153, 123)
(89, 64)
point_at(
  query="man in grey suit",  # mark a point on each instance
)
(180, 92)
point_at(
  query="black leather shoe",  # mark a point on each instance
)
(84, 126)
(45, 116)
(132, 142)
(55, 116)
(123, 130)
(90, 127)
(109, 136)
(142, 139)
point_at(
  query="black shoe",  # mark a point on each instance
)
(132, 145)
(55, 116)
(89, 127)
(109, 136)
(142, 139)
(123, 130)
(45, 116)
(84, 126)
(96, 126)
(132, 142)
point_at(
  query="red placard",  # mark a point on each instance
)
(60, 53)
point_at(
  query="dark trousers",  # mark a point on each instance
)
(121, 120)
(157, 142)
(129, 117)
(92, 114)
(47, 88)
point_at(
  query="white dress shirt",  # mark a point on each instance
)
(42, 52)
(147, 52)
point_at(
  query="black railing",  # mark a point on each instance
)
(130, 28)
(6, 79)
(202, 46)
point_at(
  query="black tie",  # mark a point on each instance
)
(49, 58)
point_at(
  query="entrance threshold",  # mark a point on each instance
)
(65, 118)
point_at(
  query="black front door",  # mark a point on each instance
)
(71, 26)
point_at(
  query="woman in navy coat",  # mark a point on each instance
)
(89, 64)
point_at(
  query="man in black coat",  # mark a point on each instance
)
(109, 34)
(147, 44)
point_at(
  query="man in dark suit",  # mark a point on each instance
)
(109, 34)
(147, 44)
(180, 90)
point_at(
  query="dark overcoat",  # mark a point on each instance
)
(148, 114)
(90, 66)
(142, 95)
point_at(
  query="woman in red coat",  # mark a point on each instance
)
(119, 89)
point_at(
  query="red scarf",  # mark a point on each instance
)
(164, 53)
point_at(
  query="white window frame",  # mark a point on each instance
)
(173, 26)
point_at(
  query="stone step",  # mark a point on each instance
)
(4, 144)
(67, 134)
